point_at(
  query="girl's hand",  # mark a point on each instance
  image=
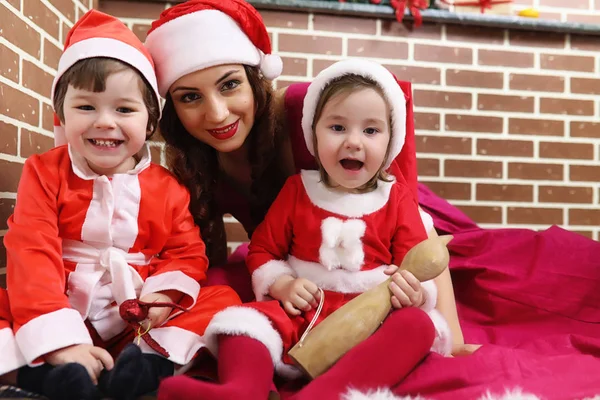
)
(296, 294)
(406, 289)
(93, 358)
(158, 315)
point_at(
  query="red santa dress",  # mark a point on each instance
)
(341, 242)
(80, 244)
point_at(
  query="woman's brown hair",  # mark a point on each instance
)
(347, 84)
(195, 164)
(91, 74)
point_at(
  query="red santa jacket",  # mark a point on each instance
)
(79, 244)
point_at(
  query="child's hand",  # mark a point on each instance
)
(406, 289)
(296, 294)
(93, 358)
(158, 315)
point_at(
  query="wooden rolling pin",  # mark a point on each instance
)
(360, 317)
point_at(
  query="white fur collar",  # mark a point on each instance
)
(352, 205)
(83, 170)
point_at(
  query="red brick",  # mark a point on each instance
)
(450, 190)
(51, 54)
(428, 167)
(588, 234)
(294, 66)
(428, 121)
(497, 192)
(584, 217)
(320, 65)
(583, 173)
(15, 3)
(235, 232)
(474, 169)
(34, 143)
(9, 64)
(47, 117)
(582, 151)
(443, 145)
(577, 4)
(474, 34)
(493, 80)
(8, 139)
(443, 54)
(141, 31)
(425, 75)
(377, 49)
(7, 207)
(473, 123)
(565, 194)
(18, 105)
(17, 32)
(9, 178)
(550, 16)
(582, 18)
(37, 79)
(483, 214)
(585, 42)
(334, 23)
(67, 8)
(425, 31)
(585, 85)
(498, 102)
(538, 127)
(538, 83)
(537, 39)
(585, 129)
(509, 148)
(279, 83)
(567, 63)
(535, 171)
(41, 16)
(280, 19)
(310, 44)
(126, 9)
(566, 106)
(429, 98)
(537, 216)
(505, 58)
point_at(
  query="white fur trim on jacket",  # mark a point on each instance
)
(353, 205)
(369, 69)
(266, 275)
(342, 246)
(427, 221)
(386, 394)
(12, 358)
(338, 280)
(172, 280)
(249, 322)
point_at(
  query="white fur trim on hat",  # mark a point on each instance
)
(392, 91)
(200, 40)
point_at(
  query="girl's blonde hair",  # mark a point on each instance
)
(347, 84)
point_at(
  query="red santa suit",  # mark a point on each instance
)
(80, 244)
(341, 242)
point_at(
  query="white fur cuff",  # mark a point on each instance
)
(267, 274)
(430, 289)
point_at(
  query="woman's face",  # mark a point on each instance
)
(216, 105)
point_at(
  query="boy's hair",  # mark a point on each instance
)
(91, 74)
(347, 84)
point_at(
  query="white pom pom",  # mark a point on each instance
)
(271, 66)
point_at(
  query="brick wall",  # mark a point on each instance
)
(31, 37)
(507, 120)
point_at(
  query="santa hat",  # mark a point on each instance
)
(198, 34)
(100, 35)
(372, 70)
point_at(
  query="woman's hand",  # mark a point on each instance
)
(295, 294)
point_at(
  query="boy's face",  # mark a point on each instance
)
(107, 128)
(353, 134)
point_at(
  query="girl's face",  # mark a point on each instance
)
(353, 133)
(107, 128)
(216, 105)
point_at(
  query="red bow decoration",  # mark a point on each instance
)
(135, 311)
(414, 6)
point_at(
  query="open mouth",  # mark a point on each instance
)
(351, 165)
(225, 132)
(108, 143)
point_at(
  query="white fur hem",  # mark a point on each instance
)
(442, 344)
(266, 275)
(11, 355)
(386, 394)
(339, 280)
(430, 289)
(249, 322)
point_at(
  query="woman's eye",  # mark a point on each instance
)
(189, 97)
(229, 85)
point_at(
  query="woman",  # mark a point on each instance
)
(231, 139)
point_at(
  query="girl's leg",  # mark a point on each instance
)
(245, 372)
(382, 360)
